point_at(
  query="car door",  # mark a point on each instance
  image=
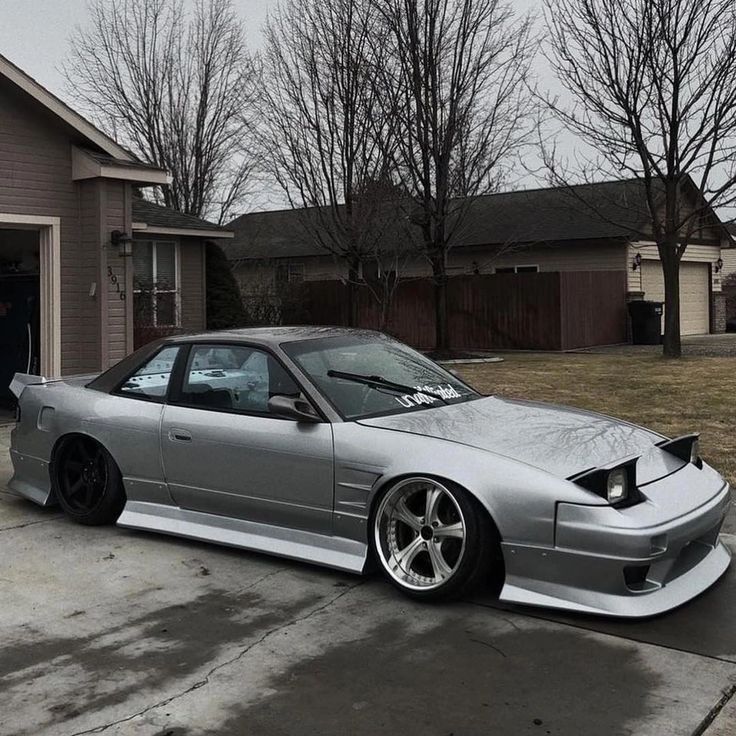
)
(225, 454)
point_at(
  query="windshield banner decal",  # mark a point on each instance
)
(428, 395)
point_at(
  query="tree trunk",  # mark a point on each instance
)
(671, 269)
(384, 307)
(442, 332)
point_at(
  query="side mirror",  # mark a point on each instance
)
(291, 408)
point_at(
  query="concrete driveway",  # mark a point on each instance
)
(104, 630)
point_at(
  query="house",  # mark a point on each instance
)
(590, 228)
(69, 224)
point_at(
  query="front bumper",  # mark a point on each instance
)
(633, 562)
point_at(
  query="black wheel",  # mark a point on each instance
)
(87, 481)
(433, 540)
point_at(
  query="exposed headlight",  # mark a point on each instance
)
(617, 485)
(616, 482)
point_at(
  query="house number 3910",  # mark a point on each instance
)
(114, 281)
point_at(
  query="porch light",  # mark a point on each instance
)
(123, 241)
(719, 265)
(637, 262)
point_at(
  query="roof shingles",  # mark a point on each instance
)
(155, 215)
(594, 211)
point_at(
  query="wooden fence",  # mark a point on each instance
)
(525, 311)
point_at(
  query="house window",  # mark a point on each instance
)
(156, 283)
(289, 273)
(516, 269)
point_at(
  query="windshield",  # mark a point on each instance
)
(366, 375)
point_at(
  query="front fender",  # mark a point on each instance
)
(521, 499)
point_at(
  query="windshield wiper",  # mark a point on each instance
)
(378, 382)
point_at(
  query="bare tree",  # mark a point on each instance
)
(458, 72)
(654, 90)
(177, 89)
(324, 136)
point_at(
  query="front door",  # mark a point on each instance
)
(224, 454)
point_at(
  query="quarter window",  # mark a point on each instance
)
(151, 380)
(156, 283)
(234, 378)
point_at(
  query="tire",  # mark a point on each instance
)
(433, 540)
(87, 481)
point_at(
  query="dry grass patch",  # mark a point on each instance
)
(671, 397)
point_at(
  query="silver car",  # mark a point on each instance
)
(340, 447)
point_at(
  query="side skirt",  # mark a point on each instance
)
(336, 552)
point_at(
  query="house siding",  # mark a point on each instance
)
(36, 179)
(693, 254)
(577, 256)
(582, 256)
(729, 261)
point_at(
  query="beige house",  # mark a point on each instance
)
(592, 228)
(75, 243)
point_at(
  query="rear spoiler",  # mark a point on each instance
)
(21, 380)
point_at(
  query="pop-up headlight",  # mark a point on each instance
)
(687, 448)
(616, 483)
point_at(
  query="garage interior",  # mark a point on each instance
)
(19, 309)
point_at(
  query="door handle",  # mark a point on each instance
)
(179, 435)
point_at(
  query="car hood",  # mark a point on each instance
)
(559, 440)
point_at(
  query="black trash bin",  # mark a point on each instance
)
(646, 322)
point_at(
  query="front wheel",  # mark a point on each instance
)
(88, 483)
(432, 539)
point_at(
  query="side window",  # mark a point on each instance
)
(234, 378)
(151, 380)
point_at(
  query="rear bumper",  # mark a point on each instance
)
(606, 562)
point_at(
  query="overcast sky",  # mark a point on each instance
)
(34, 33)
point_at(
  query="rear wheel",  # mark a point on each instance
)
(432, 539)
(88, 483)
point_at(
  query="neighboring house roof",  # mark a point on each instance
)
(273, 234)
(155, 219)
(92, 134)
(606, 210)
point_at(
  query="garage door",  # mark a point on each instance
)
(694, 293)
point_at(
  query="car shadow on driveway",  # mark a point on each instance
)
(455, 678)
(703, 626)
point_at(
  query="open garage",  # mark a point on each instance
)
(19, 306)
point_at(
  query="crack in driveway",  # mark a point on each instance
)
(31, 523)
(205, 680)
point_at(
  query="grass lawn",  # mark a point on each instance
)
(671, 397)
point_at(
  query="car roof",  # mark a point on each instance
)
(266, 336)
(271, 335)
